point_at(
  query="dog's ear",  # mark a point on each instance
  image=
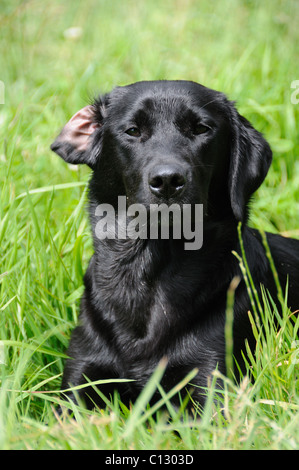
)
(251, 158)
(74, 142)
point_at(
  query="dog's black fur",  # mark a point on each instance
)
(169, 141)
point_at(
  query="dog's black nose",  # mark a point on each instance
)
(167, 180)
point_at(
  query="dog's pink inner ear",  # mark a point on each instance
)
(79, 128)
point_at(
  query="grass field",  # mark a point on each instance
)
(247, 49)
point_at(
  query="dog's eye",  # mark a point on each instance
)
(199, 129)
(133, 132)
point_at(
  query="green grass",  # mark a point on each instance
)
(249, 50)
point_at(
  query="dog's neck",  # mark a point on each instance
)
(129, 278)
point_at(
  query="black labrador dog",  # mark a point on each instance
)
(153, 297)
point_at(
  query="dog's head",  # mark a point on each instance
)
(168, 141)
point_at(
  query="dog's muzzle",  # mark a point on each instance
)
(167, 181)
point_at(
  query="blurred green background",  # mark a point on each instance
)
(56, 55)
